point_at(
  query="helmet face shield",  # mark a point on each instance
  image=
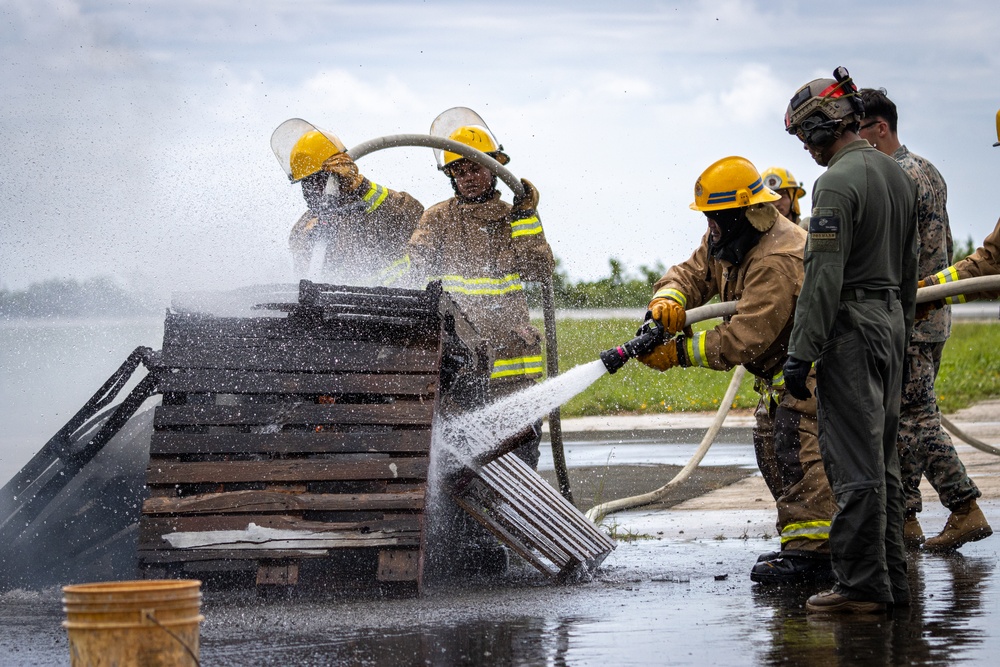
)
(301, 147)
(465, 126)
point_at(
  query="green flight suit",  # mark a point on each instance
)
(852, 319)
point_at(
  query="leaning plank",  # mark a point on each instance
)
(162, 472)
(271, 501)
(409, 413)
(290, 442)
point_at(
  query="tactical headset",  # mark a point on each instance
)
(820, 131)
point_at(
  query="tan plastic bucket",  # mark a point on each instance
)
(124, 623)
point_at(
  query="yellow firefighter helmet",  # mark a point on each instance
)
(777, 179)
(478, 137)
(732, 182)
(309, 153)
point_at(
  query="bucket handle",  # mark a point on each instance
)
(149, 615)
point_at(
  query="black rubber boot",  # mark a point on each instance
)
(793, 569)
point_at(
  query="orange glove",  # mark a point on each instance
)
(662, 357)
(525, 206)
(921, 284)
(342, 166)
(669, 313)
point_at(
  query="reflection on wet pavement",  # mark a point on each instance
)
(668, 599)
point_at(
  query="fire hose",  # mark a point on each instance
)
(548, 294)
(723, 309)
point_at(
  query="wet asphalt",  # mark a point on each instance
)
(666, 595)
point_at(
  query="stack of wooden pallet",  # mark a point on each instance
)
(298, 446)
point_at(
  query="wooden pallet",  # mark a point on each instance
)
(300, 444)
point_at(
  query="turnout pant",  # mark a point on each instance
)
(859, 376)
(786, 444)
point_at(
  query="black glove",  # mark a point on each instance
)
(796, 372)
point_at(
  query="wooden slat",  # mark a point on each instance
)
(271, 501)
(158, 556)
(152, 527)
(180, 326)
(161, 472)
(290, 442)
(184, 330)
(303, 355)
(398, 565)
(227, 381)
(402, 413)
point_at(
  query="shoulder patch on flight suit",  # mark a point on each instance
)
(824, 230)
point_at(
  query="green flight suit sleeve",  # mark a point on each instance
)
(831, 228)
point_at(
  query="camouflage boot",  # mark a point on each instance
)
(966, 524)
(913, 535)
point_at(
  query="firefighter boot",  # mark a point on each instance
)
(793, 567)
(913, 535)
(966, 524)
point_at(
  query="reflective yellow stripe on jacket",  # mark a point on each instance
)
(517, 366)
(481, 286)
(525, 227)
(695, 349)
(394, 271)
(672, 294)
(806, 530)
(375, 196)
(949, 275)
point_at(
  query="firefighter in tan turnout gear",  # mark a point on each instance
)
(753, 255)
(363, 225)
(484, 250)
(790, 190)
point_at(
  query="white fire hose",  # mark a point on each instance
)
(930, 293)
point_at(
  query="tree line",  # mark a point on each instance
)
(59, 297)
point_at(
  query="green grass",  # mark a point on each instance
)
(970, 372)
(970, 366)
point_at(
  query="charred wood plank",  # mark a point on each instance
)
(290, 442)
(161, 472)
(272, 501)
(229, 381)
(407, 413)
(302, 355)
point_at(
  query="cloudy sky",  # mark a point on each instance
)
(135, 134)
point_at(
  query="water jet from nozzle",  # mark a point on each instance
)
(649, 335)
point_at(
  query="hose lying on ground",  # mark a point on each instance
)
(722, 309)
(597, 512)
(968, 439)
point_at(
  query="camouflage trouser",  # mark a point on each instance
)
(925, 448)
(786, 443)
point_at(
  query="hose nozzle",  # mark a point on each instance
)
(649, 335)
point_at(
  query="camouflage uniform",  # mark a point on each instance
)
(924, 446)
